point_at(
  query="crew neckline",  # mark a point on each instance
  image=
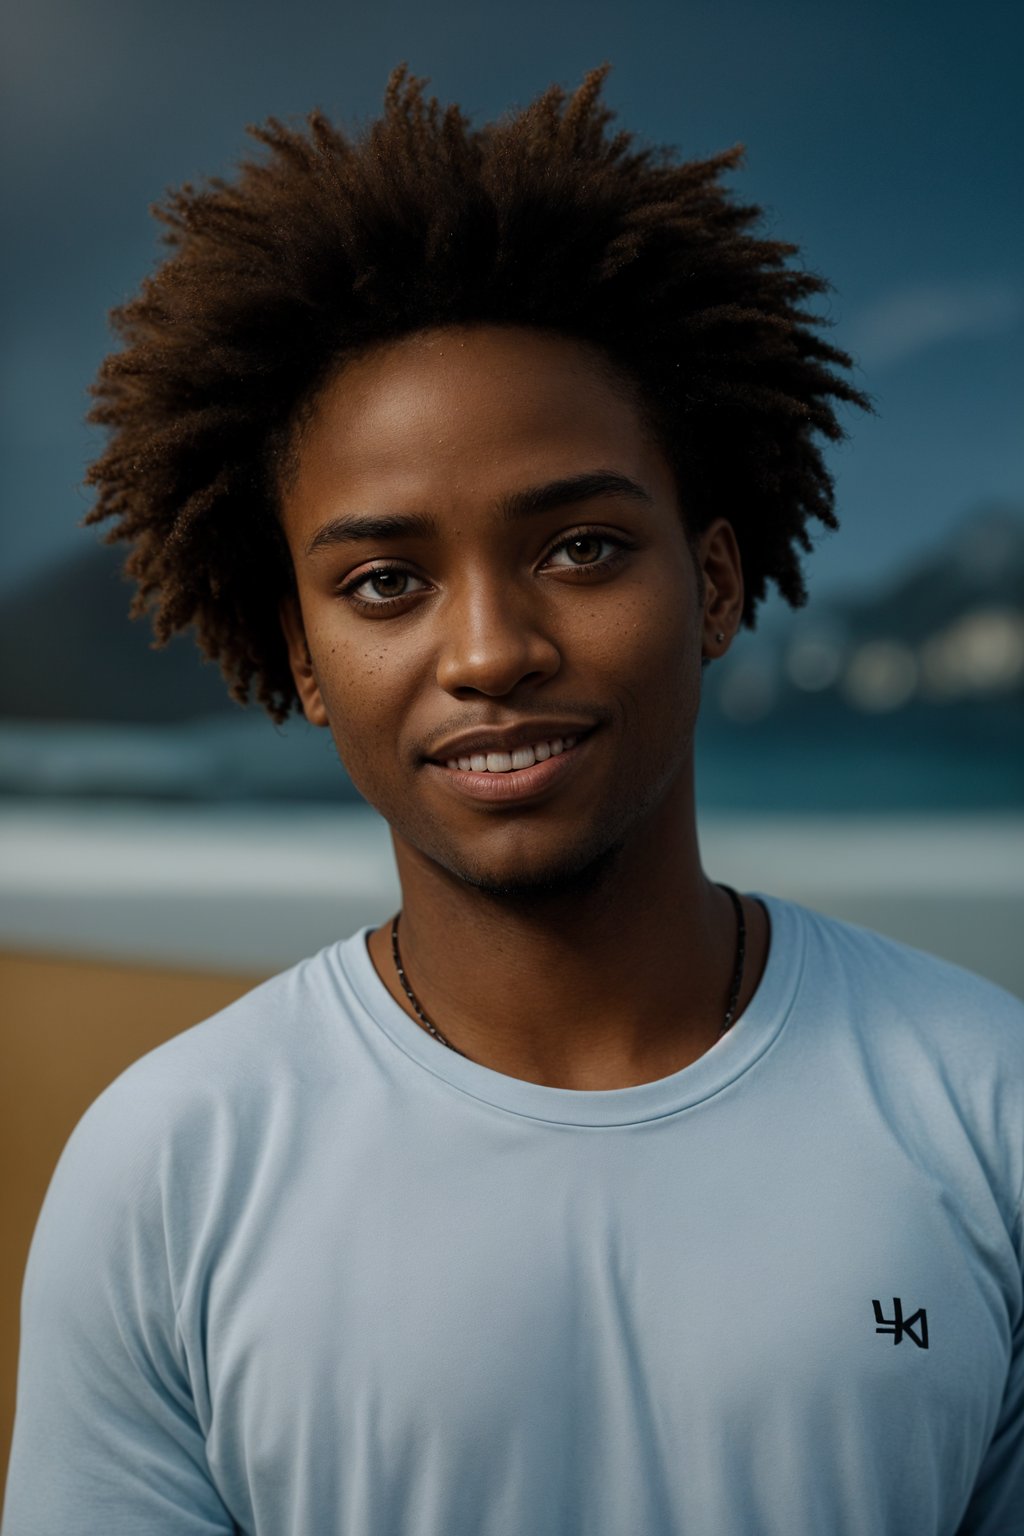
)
(732, 1055)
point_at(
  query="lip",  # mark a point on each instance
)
(511, 788)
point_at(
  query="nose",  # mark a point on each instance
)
(494, 638)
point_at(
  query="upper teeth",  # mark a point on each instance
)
(508, 762)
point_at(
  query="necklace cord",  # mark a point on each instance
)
(734, 990)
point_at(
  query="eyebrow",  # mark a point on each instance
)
(531, 502)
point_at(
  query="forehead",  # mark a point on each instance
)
(474, 401)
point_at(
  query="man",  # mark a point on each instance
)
(585, 1195)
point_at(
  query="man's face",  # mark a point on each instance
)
(587, 611)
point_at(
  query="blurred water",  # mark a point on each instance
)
(828, 760)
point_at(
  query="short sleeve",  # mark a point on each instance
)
(996, 1506)
(106, 1436)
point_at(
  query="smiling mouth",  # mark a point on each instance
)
(517, 761)
(503, 785)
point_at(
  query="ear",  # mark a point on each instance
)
(718, 555)
(300, 661)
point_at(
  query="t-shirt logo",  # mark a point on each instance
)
(898, 1325)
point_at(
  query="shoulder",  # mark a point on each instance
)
(187, 1132)
(876, 974)
(217, 1081)
(914, 1023)
(937, 1049)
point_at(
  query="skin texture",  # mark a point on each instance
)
(573, 940)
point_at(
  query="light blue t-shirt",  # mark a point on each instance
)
(304, 1271)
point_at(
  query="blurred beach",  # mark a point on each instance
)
(253, 888)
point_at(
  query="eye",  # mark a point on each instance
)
(385, 573)
(578, 542)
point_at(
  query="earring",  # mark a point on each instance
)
(719, 637)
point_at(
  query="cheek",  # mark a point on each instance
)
(367, 687)
(648, 642)
(647, 656)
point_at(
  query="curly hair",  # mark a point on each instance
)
(334, 244)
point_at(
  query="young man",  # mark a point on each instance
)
(585, 1195)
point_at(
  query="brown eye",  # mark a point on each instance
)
(584, 551)
(395, 579)
(387, 577)
(573, 545)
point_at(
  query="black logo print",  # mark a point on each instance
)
(898, 1325)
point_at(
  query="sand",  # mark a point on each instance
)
(69, 1028)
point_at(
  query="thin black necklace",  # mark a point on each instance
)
(730, 1012)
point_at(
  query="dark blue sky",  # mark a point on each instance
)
(885, 139)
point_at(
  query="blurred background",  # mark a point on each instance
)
(161, 848)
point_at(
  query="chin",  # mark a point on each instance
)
(534, 859)
(570, 873)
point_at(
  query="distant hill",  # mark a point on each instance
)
(71, 652)
(962, 605)
(88, 708)
(982, 562)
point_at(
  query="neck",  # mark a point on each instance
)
(616, 976)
